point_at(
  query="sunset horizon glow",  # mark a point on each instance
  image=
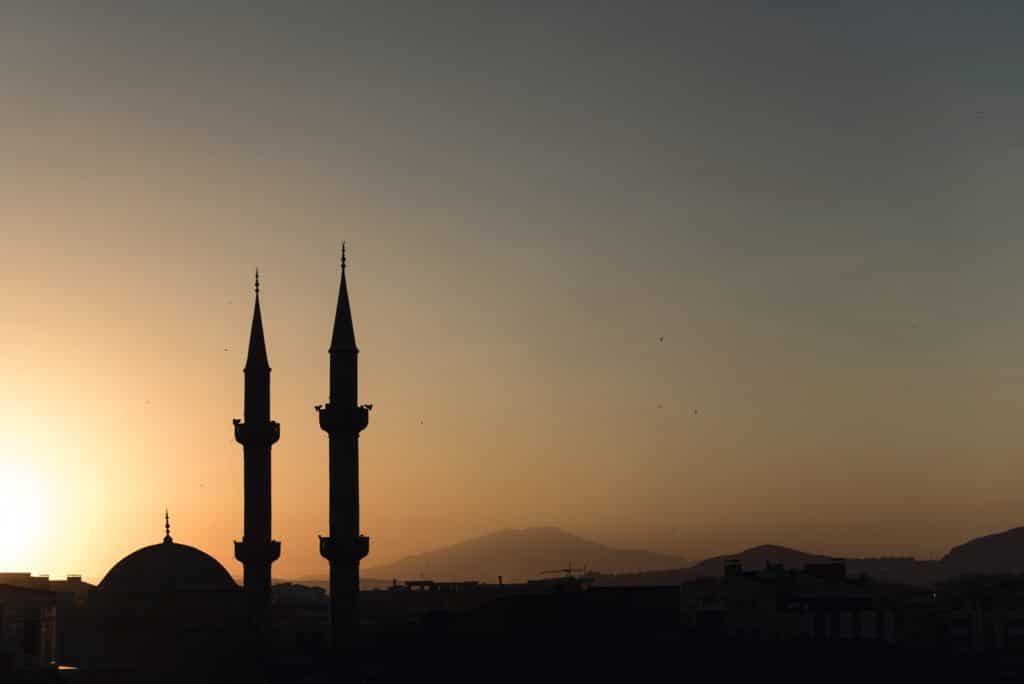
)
(683, 279)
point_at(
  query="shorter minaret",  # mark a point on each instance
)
(257, 434)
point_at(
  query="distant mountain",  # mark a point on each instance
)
(1001, 553)
(993, 554)
(518, 555)
(756, 558)
(524, 554)
(752, 559)
(902, 570)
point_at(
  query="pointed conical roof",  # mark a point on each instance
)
(257, 358)
(344, 336)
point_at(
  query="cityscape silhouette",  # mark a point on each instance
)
(688, 334)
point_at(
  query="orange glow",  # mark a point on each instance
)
(25, 510)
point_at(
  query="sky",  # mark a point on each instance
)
(675, 276)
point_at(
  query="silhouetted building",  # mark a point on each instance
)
(164, 609)
(536, 605)
(343, 419)
(301, 616)
(257, 435)
(774, 603)
(28, 630)
(72, 596)
(979, 613)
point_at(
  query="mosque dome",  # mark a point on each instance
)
(167, 567)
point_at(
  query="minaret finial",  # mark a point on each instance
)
(257, 281)
(343, 337)
(167, 527)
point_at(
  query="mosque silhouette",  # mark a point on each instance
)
(172, 608)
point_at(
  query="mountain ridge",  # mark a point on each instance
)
(990, 553)
(517, 554)
(528, 552)
(997, 553)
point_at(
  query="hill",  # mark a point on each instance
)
(751, 559)
(518, 555)
(1001, 553)
(896, 570)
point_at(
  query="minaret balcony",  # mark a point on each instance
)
(336, 549)
(251, 551)
(256, 433)
(343, 418)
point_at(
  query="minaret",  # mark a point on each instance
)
(343, 419)
(257, 434)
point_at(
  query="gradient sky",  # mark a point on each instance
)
(817, 207)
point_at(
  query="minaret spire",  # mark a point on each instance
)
(343, 338)
(257, 358)
(167, 527)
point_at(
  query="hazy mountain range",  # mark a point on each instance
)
(518, 555)
(515, 555)
(1001, 553)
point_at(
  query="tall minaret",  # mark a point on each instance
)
(343, 419)
(257, 550)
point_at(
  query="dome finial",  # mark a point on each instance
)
(167, 527)
(257, 281)
(342, 256)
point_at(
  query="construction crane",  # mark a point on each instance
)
(568, 572)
